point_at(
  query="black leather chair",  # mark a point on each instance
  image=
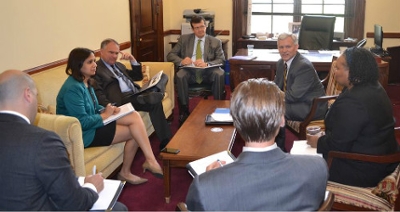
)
(316, 32)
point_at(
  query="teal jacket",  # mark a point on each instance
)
(74, 99)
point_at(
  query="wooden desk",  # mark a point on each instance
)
(383, 74)
(265, 65)
(224, 46)
(195, 140)
(272, 44)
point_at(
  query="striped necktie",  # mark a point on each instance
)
(125, 79)
(284, 78)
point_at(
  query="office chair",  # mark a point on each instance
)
(361, 43)
(316, 32)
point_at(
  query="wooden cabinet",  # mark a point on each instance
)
(383, 73)
(241, 72)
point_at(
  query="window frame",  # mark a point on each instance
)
(353, 23)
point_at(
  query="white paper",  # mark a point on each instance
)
(106, 195)
(302, 148)
(222, 114)
(124, 110)
(199, 166)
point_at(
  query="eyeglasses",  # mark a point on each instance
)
(199, 27)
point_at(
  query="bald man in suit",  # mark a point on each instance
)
(185, 53)
(36, 172)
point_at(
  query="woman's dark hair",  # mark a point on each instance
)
(75, 62)
(362, 65)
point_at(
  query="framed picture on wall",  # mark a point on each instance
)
(294, 27)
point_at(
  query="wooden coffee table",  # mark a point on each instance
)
(195, 140)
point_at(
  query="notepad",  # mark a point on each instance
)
(108, 196)
(124, 110)
(222, 114)
(199, 166)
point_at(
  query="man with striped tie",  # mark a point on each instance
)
(296, 76)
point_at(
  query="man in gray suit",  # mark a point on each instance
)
(36, 172)
(262, 177)
(197, 50)
(301, 84)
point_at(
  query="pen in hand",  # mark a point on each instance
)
(220, 164)
(104, 108)
(94, 170)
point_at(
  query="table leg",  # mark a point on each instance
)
(167, 180)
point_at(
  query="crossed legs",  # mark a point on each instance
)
(131, 129)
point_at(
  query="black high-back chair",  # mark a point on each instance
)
(316, 32)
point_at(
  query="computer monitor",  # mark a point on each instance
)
(378, 36)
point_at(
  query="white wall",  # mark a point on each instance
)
(385, 13)
(35, 32)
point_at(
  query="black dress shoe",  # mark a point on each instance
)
(183, 117)
(150, 98)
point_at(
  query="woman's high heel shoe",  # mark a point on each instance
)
(157, 172)
(133, 182)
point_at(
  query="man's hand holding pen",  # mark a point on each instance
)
(216, 164)
(199, 63)
(97, 180)
(186, 61)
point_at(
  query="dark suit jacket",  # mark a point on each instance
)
(302, 86)
(213, 53)
(262, 181)
(360, 121)
(35, 170)
(107, 86)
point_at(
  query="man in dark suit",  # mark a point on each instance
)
(197, 50)
(115, 84)
(36, 172)
(298, 80)
(262, 177)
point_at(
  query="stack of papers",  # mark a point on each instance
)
(222, 114)
(302, 148)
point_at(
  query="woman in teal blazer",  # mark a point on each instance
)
(77, 98)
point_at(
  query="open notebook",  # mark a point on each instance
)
(199, 166)
(124, 110)
(108, 196)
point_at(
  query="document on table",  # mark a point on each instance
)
(196, 67)
(222, 114)
(109, 195)
(302, 148)
(124, 110)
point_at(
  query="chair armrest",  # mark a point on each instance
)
(70, 131)
(181, 206)
(169, 70)
(328, 202)
(314, 107)
(392, 158)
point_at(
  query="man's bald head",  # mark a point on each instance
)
(18, 93)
